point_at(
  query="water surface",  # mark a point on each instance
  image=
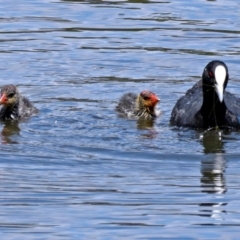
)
(78, 171)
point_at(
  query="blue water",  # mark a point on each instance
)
(78, 171)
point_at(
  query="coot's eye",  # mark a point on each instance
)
(10, 95)
(210, 73)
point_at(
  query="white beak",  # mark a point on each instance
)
(220, 76)
(219, 91)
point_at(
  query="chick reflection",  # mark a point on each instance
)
(9, 129)
(147, 125)
(213, 165)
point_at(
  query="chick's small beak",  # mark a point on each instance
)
(155, 100)
(3, 99)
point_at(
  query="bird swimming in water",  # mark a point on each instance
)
(14, 106)
(207, 104)
(142, 106)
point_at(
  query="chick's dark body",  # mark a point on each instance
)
(140, 106)
(14, 106)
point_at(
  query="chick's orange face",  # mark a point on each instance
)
(149, 98)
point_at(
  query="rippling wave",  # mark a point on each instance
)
(78, 171)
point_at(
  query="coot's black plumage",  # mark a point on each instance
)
(142, 106)
(207, 104)
(14, 106)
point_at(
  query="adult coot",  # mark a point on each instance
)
(142, 106)
(14, 105)
(207, 104)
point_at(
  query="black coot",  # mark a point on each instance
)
(14, 105)
(207, 104)
(142, 106)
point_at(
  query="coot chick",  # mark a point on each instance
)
(14, 105)
(142, 106)
(207, 104)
